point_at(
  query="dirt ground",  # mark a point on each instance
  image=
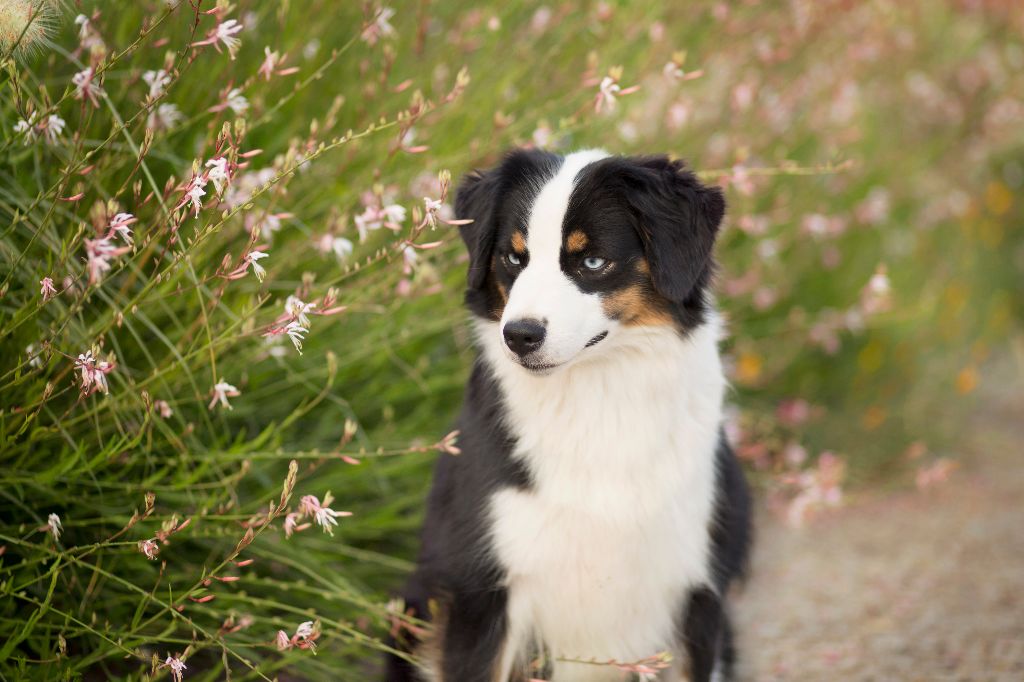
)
(901, 586)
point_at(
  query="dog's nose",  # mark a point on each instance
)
(523, 336)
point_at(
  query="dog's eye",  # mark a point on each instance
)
(513, 259)
(594, 263)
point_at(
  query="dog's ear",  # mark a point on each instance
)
(475, 200)
(677, 219)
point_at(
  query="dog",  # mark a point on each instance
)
(596, 515)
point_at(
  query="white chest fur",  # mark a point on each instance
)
(600, 552)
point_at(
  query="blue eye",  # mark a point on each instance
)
(594, 263)
(513, 259)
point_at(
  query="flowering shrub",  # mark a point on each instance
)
(230, 282)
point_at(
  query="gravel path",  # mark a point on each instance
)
(901, 586)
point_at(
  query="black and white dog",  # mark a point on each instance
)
(596, 512)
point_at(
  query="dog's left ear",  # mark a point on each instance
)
(677, 219)
(475, 200)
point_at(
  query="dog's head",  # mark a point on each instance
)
(565, 253)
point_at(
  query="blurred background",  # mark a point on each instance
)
(229, 284)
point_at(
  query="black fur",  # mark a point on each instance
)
(452, 566)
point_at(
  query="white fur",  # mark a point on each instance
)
(542, 291)
(620, 442)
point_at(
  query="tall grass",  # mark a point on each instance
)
(872, 165)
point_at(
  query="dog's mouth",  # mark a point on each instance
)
(597, 339)
(539, 368)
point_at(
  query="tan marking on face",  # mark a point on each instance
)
(518, 242)
(637, 306)
(498, 310)
(576, 242)
(643, 267)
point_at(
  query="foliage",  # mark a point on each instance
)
(153, 400)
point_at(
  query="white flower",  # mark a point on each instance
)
(195, 193)
(83, 26)
(165, 116)
(85, 87)
(53, 128)
(120, 224)
(27, 128)
(282, 641)
(380, 27)
(35, 357)
(395, 215)
(342, 247)
(295, 331)
(326, 517)
(433, 208)
(237, 101)
(54, 524)
(297, 309)
(409, 258)
(257, 269)
(218, 173)
(157, 81)
(305, 630)
(176, 666)
(222, 390)
(269, 224)
(226, 34)
(607, 92)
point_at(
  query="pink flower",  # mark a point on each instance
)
(120, 223)
(177, 667)
(85, 87)
(221, 392)
(409, 258)
(99, 253)
(47, 290)
(163, 408)
(375, 217)
(93, 373)
(380, 26)
(149, 548)
(324, 516)
(282, 641)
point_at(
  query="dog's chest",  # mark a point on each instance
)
(600, 551)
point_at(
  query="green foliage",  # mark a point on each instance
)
(872, 160)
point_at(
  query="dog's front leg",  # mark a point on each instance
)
(704, 627)
(474, 635)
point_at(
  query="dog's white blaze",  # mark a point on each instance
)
(601, 552)
(542, 291)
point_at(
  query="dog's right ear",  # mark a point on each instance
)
(475, 200)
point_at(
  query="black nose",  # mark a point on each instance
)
(523, 336)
